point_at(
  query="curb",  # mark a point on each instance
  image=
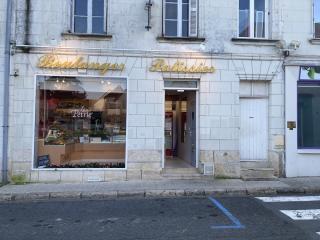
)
(147, 194)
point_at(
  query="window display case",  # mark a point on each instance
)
(81, 120)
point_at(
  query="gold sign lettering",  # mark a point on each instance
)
(53, 62)
(159, 65)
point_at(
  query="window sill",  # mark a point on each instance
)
(180, 39)
(86, 36)
(255, 41)
(315, 41)
(308, 151)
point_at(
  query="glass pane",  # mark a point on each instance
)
(317, 18)
(81, 7)
(185, 28)
(185, 11)
(310, 73)
(98, 8)
(98, 25)
(185, 1)
(80, 24)
(309, 116)
(172, 1)
(244, 18)
(81, 122)
(259, 18)
(180, 84)
(171, 11)
(171, 28)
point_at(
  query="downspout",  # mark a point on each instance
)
(27, 23)
(284, 158)
(6, 78)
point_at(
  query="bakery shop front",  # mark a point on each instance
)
(80, 116)
(106, 117)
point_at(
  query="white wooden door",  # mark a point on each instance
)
(254, 129)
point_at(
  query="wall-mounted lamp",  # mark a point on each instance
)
(148, 8)
(286, 53)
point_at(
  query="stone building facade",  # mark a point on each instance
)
(218, 94)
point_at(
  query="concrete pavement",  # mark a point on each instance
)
(161, 188)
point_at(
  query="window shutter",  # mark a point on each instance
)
(193, 18)
(163, 17)
(71, 12)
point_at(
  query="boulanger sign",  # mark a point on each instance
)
(160, 65)
(54, 62)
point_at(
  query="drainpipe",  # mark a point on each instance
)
(6, 78)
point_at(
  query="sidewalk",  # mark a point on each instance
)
(162, 188)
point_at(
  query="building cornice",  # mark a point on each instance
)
(35, 49)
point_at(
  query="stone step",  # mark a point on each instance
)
(257, 174)
(255, 164)
(180, 171)
(183, 176)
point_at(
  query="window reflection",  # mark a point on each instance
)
(81, 122)
(244, 18)
(309, 115)
(259, 15)
(252, 18)
(177, 18)
(317, 18)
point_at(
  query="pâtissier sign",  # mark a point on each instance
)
(160, 65)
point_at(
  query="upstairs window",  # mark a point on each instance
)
(253, 18)
(316, 18)
(180, 18)
(89, 16)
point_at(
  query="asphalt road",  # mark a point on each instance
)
(229, 218)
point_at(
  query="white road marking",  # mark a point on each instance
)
(308, 214)
(318, 233)
(290, 199)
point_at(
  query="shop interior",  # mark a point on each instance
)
(180, 129)
(81, 122)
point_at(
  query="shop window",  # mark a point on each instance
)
(316, 18)
(180, 18)
(80, 122)
(309, 108)
(89, 16)
(253, 18)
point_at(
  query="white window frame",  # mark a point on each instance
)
(313, 19)
(251, 16)
(89, 17)
(180, 20)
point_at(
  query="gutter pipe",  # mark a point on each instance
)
(6, 78)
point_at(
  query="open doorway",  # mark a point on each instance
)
(180, 129)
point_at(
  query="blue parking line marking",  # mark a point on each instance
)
(236, 222)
